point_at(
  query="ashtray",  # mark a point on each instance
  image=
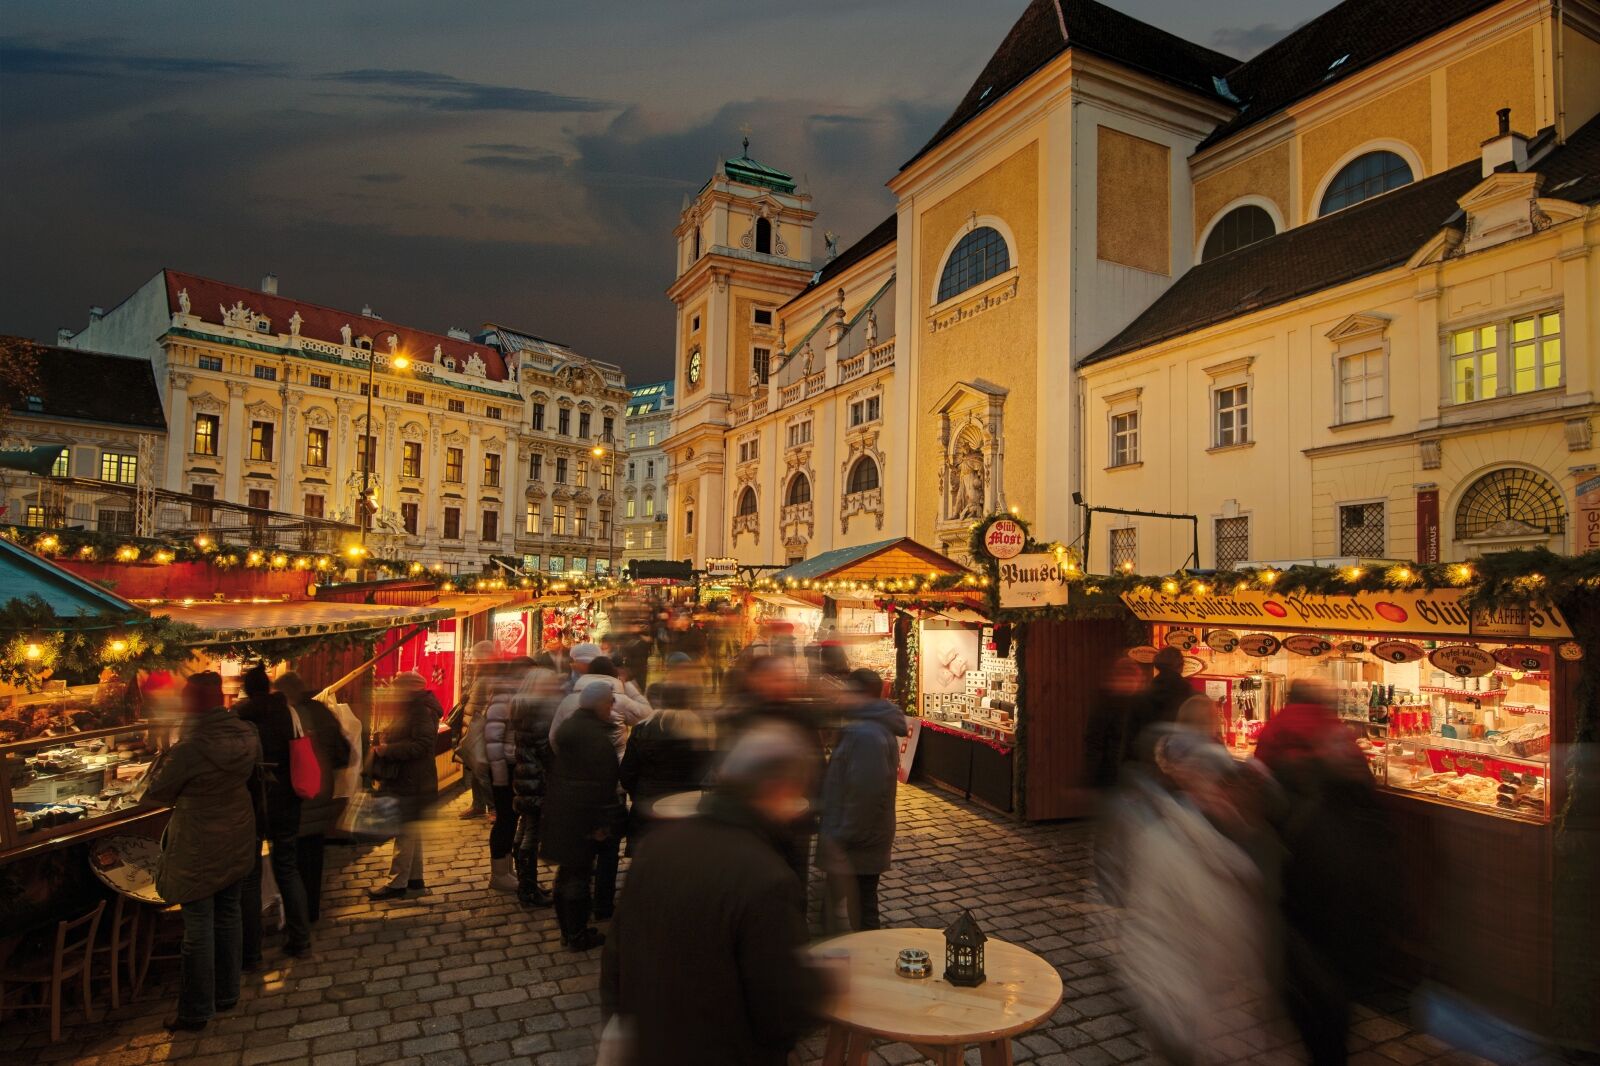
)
(913, 962)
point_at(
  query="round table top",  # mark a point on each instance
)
(133, 873)
(677, 805)
(1021, 990)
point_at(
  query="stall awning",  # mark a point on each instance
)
(898, 557)
(786, 602)
(465, 604)
(227, 623)
(24, 574)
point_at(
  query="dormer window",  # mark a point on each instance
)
(35, 403)
(449, 362)
(262, 326)
(364, 343)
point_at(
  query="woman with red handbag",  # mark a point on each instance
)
(316, 755)
(269, 712)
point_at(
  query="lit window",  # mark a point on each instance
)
(411, 459)
(864, 475)
(633, 439)
(205, 434)
(1362, 387)
(1238, 228)
(632, 508)
(558, 520)
(1124, 546)
(316, 447)
(119, 467)
(1361, 532)
(558, 564)
(649, 506)
(1474, 363)
(1365, 177)
(976, 258)
(261, 441)
(1536, 352)
(453, 462)
(61, 467)
(1232, 421)
(491, 471)
(1125, 438)
(650, 439)
(649, 538)
(1232, 541)
(531, 521)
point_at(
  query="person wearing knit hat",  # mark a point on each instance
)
(580, 811)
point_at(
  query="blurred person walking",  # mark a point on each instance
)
(500, 758)
(533, 709)
(319, 814)
(856, 833)
(1117, 709)
(1167, 691)
(209, 847)
(476, 684)
(581, 812)
(268, 711)
(668, 752)
(402, 767)
(704, 964)
(1340, 850)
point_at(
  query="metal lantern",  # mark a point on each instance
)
(963, 952)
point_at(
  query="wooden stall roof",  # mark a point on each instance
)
(224, 623)
(897, 557)
(23, 574)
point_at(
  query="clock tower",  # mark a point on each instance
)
(743, 250)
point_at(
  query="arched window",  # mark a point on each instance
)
(747, 502)
(1241, 226)
(696, 254)
(763, 236)
(976, 258)
(864, 475)
(799, 491)
(1510, 503)
(1365, 177)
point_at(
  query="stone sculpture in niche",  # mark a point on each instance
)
(966, 476)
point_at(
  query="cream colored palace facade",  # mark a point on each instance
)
(1135, 269)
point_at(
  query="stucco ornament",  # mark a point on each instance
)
(966, 474)
(475, 366)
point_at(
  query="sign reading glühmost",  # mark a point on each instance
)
(1038, 579)
(1420, 613)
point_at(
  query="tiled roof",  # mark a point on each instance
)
(208, 297)
(1036, 39)
(1371, 236)
(95, 387)
(1331, 47)
(880, 236)
(821, 567)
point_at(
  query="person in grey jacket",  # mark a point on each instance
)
(856, 833)
(402, 766)
(500, 743)
(209, 846)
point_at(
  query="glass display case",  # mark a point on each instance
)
(61, 787)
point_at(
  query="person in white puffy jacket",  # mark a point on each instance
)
(501, 682)
(628, 709)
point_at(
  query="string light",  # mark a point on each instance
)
(1268, 576)
(117, 646)
(254, 559)
(49, 542)
(1352, 573)
(1461, 573)
(1126, 566)
(1169, 586)
(127, 553)
(33, 652)
(164, 555)
(280, 560)
(203, 542)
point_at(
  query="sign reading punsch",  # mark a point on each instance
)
(1038, 579)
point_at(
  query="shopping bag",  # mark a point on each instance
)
(305, 772)
(271, 896)
(474, 750)
(370, 817)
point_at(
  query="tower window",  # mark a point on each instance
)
(976, 258)
(763, 236)
(1240, 227)
(1364, 177)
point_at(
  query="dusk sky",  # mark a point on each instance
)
(450, 164)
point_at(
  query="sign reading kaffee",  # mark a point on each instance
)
(1004, 539)
(1422, 613)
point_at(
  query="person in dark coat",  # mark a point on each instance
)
(1116, 712)
(321, 813)
(636, 657)
(532, 710)
(403, 746)
(704, 964)
(209, 846)
(581, 811)
(1339, 850)
(668, 752)
(268, 711)
(1165, 694)
(856, 834)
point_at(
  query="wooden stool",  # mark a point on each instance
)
(74, 951)
(149, 921)
(122, 945)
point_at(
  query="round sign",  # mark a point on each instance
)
(1525, 659)
(1192, 666)
(1397, 651)
(1307, 644)
(1349, 647)
(1462, 660)
(1223, 640)
(1258, 645)
(1143, 653)
(1182, 639)
(1570, 650)
(1004, 539)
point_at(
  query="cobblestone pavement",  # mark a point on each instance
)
(464, 975)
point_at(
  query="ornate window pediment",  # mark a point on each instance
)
(205, 401)
(317, 416)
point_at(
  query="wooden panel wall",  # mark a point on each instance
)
(1063, 666)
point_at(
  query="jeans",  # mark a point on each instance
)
(212, 950)
(504, 831)
(572, 895)
(859, 894)
(406, 866)
(309, 852)
(285, 852)
(482, 791)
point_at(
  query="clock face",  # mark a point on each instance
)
(694, 368)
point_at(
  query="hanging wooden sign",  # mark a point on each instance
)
(1526, 659)
(1349, 647)
(1462, 660)
(1307, 644)
(1142, 653)
(1259, 645)
(1182, 639)
(1223, 640)
(1397, 651)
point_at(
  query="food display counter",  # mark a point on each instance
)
(968, 701)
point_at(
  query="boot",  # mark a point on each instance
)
(500, 876)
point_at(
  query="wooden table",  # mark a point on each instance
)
(676, 805)
(936, 1018)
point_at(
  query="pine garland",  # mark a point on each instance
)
(37, 644)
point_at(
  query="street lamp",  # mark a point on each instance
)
(369, 446)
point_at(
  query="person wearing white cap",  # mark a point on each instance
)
(579, 659)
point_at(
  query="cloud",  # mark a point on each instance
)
(380, 179)
(547, 163)
(506, 149)
(1246, 41)
(18, 56)
(443, 92)
(841, 119)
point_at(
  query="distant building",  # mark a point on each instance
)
(644, 483)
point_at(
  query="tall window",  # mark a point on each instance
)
(1365, 177)
(632, 507)
(799, 491)
(649, 506)
(760, 364)
(976, 258)
(867, 410)
(561, 470)
(490, 530)
(564, 421)
(453, 459)
(205, 434)
(316, 447)
(1125, 438)
(800, 433)
(491, 471)
(582, 479)
(261, 441)
(1361, 532)
(411, 459)
(1232, 541)
(633, 469)
(1362, 387)
(1238, 228)
(119, 467)
(583, 424)
(63, 464)
(633, 439)
(1536, 352)
(452, 523)
(536, 467)
(558, 520)
(538, 416)
(1124, 548)
(688, 523)
(650, 438)
(1231, 422)
(409, 513)
(1474, 363)
(261, 500)
(747, 502)
(649, 469)
(315, 505)
(201, 514)
(366, 453)
(864, 475)
(605, 476)
(763, 236)
(609, 426)
(580, 521)
(649, 537)
(531, 519)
